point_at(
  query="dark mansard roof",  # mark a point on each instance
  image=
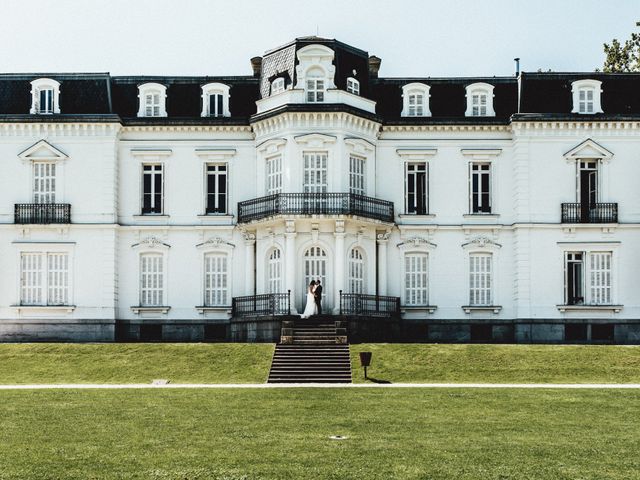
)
(102, 97)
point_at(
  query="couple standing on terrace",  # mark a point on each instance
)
(314, 299)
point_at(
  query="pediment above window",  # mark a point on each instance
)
(151, 243)
(315, 140)
(481, 242)
(42, 151)
(588, 149)
(273, 146)
(358, 146)
(315, 60)
(416, 243)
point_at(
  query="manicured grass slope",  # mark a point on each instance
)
(415, 363)
(134, 363)
(283, 434)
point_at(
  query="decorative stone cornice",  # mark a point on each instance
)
(482, 242)
(216, 242)
(151, 242)
(314, 120)
(75, 129)
(416, 243)
(187, 128)
(446, 128)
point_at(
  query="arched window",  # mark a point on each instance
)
(45, 96)
(356, 271)
(216, 279)
(274, 271)
(480, 100)
(215, 100)
(315, 86)
(151, 279)
(353, 86)
(415, 100)
(277, 86)
(315, 265)
(152, 99)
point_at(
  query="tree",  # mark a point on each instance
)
(623, 57)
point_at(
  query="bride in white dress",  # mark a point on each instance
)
(311, 308)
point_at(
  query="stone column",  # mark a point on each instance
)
(383, 240)
(338, 279)
(290, 262)
(250, 263)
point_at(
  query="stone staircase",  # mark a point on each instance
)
(311, 351)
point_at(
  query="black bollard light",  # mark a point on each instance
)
(365, 361)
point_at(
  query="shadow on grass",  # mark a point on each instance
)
(376, 380)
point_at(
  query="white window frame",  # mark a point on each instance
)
(277, 85)
(582, 87)
(595, 291)
(44, 182)
(156, 290)
(315, 90)
(480, 174)
(42, 84)
(144, 91)
(142, 193)
(409, 169)
(357, 174)
(356, 269)
(416, 281)
(478, 91)
(217, 173)
(415, 100)
(273, 174)
(274, 283)
(312, 170)
(481, 279)
(46, 286)
(353, 86)
(216, 281)
(215, 89)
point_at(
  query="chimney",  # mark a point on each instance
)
(256, 65)
(374, 66)
(517, 60)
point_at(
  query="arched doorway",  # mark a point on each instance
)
(356, 271)
(315, 268)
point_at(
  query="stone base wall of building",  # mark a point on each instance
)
(56, 330)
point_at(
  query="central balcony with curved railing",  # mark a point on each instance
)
(315, 204)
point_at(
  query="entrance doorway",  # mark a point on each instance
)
(315, 268)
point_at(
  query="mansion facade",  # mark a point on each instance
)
(494, 209)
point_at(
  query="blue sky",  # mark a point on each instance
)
(212, 37)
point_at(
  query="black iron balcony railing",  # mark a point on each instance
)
(268, 304)
(315, 204)
(590, 213)
(42, 213)
(359, 304)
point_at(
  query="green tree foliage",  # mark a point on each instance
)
(623, 57)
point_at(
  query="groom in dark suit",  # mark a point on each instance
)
(317, 294)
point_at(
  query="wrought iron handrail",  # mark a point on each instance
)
(359, 304)
(42, 213)
(589, 213)
(315, 204)
(260, 305)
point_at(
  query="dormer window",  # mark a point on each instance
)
(315, 72)
(480, 100)
(215, 100)
(586, 97)
(45, 96)
(415, 100)
(277, 86)
(152, 99)
(353, 86)
(315, 86)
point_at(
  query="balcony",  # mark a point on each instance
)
(315, 204)
(42, 213)
(268, 304)
(361, 305)
(590, 213)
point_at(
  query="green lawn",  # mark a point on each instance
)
(134, 363)
(415, 363)
(284, 434)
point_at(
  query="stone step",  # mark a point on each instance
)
(315, 380)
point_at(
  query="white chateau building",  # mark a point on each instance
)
(432, 209)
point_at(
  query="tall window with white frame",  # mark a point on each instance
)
(44, 278)
(416, 279)
(152, 189)
(480, 279)
(152, 103)
(480, 187)
(353, 86)
(217, 186)
(216, 280)
(274, 271)
(416, 189)
(151, 280)
(273, 175)
(216, 104)
(588, 279)
(45, 101)
(357, 175)
(587, 189)
(315, 172)
(44, 182)
(356, 271)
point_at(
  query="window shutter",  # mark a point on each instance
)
(600, 278)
